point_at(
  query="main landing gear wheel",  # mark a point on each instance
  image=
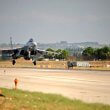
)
(34, 62)
(13, 62)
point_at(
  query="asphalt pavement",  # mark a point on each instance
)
(88, 86)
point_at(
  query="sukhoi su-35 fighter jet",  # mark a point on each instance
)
(28, 52)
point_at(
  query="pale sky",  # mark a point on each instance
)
(49, 21)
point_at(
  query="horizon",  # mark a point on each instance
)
(54, 42)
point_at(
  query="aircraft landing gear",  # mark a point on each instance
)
(34, 62)
(13, 62)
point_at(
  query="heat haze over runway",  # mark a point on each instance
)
(89, 86)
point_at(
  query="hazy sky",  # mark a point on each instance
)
(55, 20)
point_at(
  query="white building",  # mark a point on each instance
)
(82, 64)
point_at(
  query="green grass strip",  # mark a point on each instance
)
(24, 100)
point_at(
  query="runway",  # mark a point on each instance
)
(88, 86)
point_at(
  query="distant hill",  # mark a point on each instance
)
(60, 45)
(64, 45)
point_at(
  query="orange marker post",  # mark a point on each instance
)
(16, 82)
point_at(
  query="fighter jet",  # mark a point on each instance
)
(28, 52)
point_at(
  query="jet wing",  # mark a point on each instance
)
(44, 52)
(10, 52)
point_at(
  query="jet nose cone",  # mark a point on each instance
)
(35, 43)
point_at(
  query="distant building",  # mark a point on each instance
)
(6, 54)
(64, 42)
(78, 64)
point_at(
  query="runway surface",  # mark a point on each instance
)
(88, 86)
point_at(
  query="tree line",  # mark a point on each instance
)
(57, 54)
(90, 53)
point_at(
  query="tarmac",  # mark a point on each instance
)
(88, 86)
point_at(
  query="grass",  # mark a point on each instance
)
(24, 100)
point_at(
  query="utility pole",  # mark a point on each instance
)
(11, 43)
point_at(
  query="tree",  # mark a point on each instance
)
(50, 49)
(98, 54)
(62, 54)
(88, 53)
(49, 55)
(102, 53)
(58, 54)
